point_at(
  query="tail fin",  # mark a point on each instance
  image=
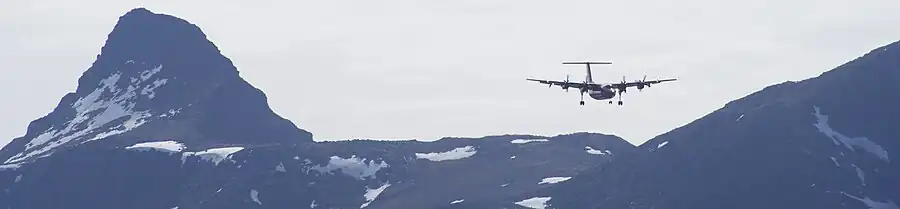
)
(588, 77)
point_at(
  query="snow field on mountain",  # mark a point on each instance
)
(591, 150)
(534, 202)
(850, 142)
(254, 195)
(454, 154)
(353, 166)
(553, 180)
(162, 146)
(215, 155)
(524, 141)
(113, 107)
(371, 194)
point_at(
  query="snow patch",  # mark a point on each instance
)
(170, 113)
(512, 157)
(371, 194)
(504, 185)
(553, 180)
(523, 141)
(93, 114)
(255, 196)
(860, 174)
(872, 204)
(313, 204)
(850, 142)
(663, 144)
(835, 161)
(149, 73)
(352, 166)
(739, 118)
(148, 90)
(9, 167)
(457, 201)
(280, 167)
(18, 178)
(591, 150)
(455, 154)
(534, 203)
(215, 155)
(162, 146)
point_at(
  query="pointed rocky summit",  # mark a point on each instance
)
(162, 120)
(156, 78)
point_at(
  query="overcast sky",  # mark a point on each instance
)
(425, 69)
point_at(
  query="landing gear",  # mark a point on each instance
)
(620, 97)
(582, 98)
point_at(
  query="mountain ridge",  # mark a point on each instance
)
(163, 120)
(822, 142)
(196, 141)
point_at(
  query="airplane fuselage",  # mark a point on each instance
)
(602, 93)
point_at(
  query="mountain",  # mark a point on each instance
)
(157, 77)
(162, 120)
(825, 142)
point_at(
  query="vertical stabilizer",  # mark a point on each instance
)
(587, 77)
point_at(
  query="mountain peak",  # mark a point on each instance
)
(157, 75)
(139, 11)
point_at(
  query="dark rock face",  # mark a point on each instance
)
(457, 173)
(157, 77)
(163, 120)
(826, 142)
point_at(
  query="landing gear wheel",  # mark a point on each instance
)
(620, 103)
(610, 102)
(581, 103)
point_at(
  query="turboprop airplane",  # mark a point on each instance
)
(600, 91)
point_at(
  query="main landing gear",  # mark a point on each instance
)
(582, 99)
(619, 94)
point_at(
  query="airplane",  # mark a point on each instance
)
(599, 91)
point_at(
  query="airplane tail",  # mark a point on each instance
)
(587, 77)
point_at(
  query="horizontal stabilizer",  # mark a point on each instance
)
(585, 62)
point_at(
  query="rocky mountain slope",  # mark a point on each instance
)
(162, 120)
(825, 142)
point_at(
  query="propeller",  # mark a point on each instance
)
(566, 86)
(643, 83)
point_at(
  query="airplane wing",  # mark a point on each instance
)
(560, 83)
(638, 83)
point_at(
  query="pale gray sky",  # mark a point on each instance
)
(403, 69)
